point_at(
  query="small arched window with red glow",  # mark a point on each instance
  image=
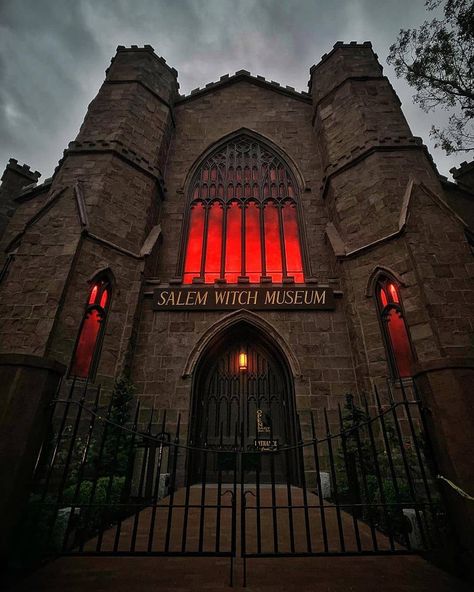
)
(243, 223)
(395, 331)
(86, 352)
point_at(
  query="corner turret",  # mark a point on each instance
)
(15, 177)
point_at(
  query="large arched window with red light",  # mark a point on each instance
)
(394, 327)
(90, 334)
(243, 222)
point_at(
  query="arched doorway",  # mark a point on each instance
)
(243, 398)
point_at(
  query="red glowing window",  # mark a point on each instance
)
(192, 264)
(395, 330)
(92, 325)
(273, 241)
(233, 255)
(253, 248)
(292, 242)
(243, 220)
(214, 242)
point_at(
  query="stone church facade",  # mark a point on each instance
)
(378, 232)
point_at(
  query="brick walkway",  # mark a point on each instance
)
(321, 574)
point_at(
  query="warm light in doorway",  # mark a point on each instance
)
(243, 361)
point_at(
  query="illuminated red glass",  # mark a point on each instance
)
(243, 175)
(214, 243)
(93, 295)
(233, 255)
(272, 242)
(400, 343)
(104, 298)
(393, 292)
(192, 264)
(86, 345)
(292, 242)
(383, 297)
(253, 249)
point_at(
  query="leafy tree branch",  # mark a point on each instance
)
(437, 59)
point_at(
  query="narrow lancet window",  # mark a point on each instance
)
(90, 333)
(395, 331)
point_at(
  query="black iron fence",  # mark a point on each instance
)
(117, 479)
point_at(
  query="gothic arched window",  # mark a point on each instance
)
(92, 327)
(243, 218)
(395, 331)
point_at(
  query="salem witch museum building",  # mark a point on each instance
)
(246, 245)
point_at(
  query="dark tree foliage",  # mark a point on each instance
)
(437, 59)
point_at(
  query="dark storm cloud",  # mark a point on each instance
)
(53, 54)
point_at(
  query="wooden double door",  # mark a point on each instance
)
(243, 401)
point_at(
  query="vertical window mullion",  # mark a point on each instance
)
(224, 237)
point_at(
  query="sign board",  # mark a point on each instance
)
(252, 298)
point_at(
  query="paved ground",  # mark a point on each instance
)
(179, 574)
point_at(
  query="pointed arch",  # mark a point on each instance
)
(103, 273)
(243, 220)
(86, 352)
(259, 137)
(233, 319)
(384, 287)
(242, 392)
(379, 272)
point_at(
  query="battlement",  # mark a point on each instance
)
(145, 49)
(338, 45)
(345, 61)
(240, 75)
(464, 175)
(143, 66)
(22, 169)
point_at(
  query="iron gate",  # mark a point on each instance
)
(113, 481)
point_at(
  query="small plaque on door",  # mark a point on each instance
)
(266, 444)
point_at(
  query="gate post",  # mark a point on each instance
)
(27, 386)
(446, 392)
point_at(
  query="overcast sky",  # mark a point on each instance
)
(53, 54)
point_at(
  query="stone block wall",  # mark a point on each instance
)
(367, 149)
(107, 189)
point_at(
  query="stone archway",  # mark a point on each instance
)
(243, 395)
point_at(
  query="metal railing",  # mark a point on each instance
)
(116, 479)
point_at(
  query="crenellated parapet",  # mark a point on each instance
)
(135, 104)
(14, 178)
(464, 175)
